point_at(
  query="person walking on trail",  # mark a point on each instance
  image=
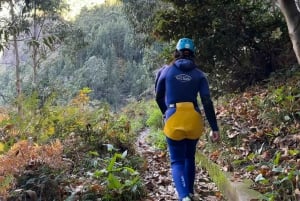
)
(177, 87)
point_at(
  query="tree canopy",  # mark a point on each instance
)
(240, 41)
(115, 48)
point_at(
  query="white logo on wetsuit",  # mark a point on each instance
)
(183, 78)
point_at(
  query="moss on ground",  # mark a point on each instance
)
(233, 191)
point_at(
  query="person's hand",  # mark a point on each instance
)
(163, 120)
(214, 136)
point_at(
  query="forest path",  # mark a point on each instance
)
(158, 180)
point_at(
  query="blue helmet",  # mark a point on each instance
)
(185, 43)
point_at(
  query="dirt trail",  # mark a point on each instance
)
(158, 180)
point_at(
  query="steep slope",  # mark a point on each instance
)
(261, 134)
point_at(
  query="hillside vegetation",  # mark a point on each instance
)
(89, 152)
(75, 98)
(261, 136)
(81, 152)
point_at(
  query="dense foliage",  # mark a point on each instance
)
(99, 51)
(60, 145)
(240, 42)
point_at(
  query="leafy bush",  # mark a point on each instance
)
(136, 111)
(158, 139)
(119, 133)
(83, 130)
(121, 180)
(156, 136)
(26, 154)
(154, 120)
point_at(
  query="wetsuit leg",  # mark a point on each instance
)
(190, 167)
(182, 154)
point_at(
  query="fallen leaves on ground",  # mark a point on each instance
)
(261, 137)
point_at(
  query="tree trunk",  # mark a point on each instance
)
(17, 62)
(292, 17)
(35, 47)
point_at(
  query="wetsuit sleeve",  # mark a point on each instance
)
(158, 75)
(160, 93)
(208, 105)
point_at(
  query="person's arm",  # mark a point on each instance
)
(211, 118)
(160, 90)
(208, 104)
(160, 100)
(210, 112)
(158, 75)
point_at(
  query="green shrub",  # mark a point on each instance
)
(158, 139)
(122, 181)
(155, 122)
(136, 112)
(154, 115)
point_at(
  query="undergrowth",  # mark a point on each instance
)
(83, 152)
(155, 123)
(261, 136)
(87, 152)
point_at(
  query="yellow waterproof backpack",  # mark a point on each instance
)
(185, 123)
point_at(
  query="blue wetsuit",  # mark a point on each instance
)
(183, 82)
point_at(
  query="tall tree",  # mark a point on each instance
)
(22, 13)
(41, 14)
(140, 14)
(292, 17)
(17, 59)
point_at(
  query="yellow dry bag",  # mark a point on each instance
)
(185, 123)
